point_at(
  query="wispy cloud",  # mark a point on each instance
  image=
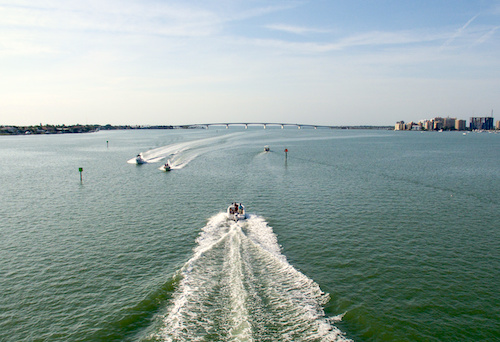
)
(381, 38)
(295, 29)
(252, 12)
(458, 33)
(486, 36)
(111, 16)
(366, 39)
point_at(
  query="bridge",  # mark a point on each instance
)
(263, 124)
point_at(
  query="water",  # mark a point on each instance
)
(358, 235)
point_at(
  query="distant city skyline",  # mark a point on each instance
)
(184, 62)
(449, 123)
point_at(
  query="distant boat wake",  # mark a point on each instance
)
(181, 154)
(239, 287)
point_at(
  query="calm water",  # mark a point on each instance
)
(358, 235)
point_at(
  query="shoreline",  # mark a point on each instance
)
(64, 129)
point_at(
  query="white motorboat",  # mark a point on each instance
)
(166, 167)
(139, 159)
(266, 148)
(236, 212)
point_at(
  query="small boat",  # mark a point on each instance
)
(139, 160)
(166, 167)
(266, 148)
(236, 212)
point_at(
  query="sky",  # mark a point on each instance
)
(322, 62)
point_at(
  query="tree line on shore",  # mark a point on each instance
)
(62, 129)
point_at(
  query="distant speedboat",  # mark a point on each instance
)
(266, 148)
(236, 212)
(166, 167)
(139, 160)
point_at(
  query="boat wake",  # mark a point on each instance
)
(181, 154)
(238, 286)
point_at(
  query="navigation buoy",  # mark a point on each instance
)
(107, 145)
(286, 153)
(80, 169)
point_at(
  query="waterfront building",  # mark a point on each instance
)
(400, 126)
(428, 125)
(449, 123)
(437, 123)
(484, 123)
(460, 125)
(497, 126)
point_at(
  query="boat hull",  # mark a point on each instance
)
(237, 217)
(236, 212)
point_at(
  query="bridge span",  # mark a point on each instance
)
(263, 124)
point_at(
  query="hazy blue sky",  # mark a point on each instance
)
(318, 62)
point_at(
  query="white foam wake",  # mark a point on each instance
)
(181, 154)
(238, 286)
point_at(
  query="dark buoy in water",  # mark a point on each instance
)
(286, 153)
(107, 143)
(80, 169)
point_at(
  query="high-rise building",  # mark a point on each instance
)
(437, 123)
(460, 125)
(409, 126)
(449, 123)
(428, 125)
(481, 123)
(400, 126)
